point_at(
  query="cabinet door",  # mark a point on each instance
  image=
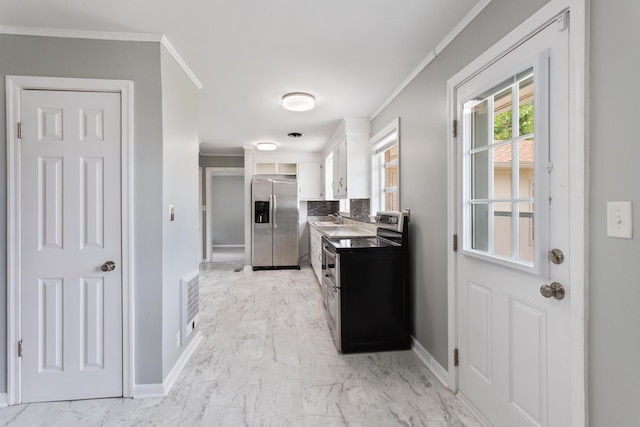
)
(310, 179)
(340, 170)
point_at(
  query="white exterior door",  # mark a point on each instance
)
(513, 208)
(70, 226)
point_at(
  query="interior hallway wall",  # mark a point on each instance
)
(180, 190)
(213, 161)
(227, 212)
(103, 59)
(422, 108)
(613, 267)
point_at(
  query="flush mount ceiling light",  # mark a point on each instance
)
(298, 101)
(266, 146)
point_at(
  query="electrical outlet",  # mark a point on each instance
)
(178, 339)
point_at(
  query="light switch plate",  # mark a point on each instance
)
(619, 220)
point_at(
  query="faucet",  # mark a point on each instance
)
(337, 216)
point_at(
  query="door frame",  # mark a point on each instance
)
(210, 172)
(14, 86)
(578, 181)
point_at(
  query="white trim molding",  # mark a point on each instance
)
(105, 35)
(433, 54)
(3, 400)
(14, 86)
(181, 62)
(150, 391)
(440, 373)
(208, 173)
(578, 136)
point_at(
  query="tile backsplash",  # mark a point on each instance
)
(322, 208)
(359, 209)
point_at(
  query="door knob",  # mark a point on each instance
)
(555, 290)
(108, 266)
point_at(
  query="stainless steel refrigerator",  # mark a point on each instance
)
(274, 213)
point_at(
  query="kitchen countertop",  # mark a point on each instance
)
(329, 229)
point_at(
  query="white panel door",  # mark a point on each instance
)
(71, 310)
(513, 208)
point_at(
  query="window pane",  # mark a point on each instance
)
(480, 175)
(480, 125)
(480, 227)
(502, 231)
(525, 230)
(502, 119)
(391, 154)
(391, 201)
(502, 172)
(525, 105)
(526, 155)
(391, 176)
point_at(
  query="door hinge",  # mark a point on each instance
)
(19, 130)
(455, 243)
(456, 357)
(20, 348)
(454, 128)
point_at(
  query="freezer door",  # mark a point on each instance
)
(261, 234)
(285, 223)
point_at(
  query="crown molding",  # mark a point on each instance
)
(80, 34)
(172, 50)
(433, 54)
(105, 35)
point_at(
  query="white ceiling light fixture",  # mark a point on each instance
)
(298, 101)
(267, 146)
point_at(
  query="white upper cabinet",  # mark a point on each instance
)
(352, 160)
(310, 181)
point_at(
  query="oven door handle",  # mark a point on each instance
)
(326, 249)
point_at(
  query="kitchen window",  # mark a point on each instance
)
(385, 191)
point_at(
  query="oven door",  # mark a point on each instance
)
(333, 311)
(331, 289)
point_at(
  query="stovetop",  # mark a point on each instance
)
(361, 243)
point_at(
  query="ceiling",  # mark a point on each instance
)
(350, 54)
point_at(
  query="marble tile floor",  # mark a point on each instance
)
(227, 253)
(268, 359)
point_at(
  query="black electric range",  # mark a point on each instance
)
(366, 287)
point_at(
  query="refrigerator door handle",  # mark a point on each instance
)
(275, 211)
(271, 211)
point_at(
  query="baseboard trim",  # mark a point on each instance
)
(171, 379)
(471, 407)
(431, 363)
(147, 391)
(151, 391)
(3, 400)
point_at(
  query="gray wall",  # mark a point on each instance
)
(422, 108)
(215, 162)
(227, 211)
(614, 264)
(180, 189)
(139, 62)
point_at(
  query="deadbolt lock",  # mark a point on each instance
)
(556, 256)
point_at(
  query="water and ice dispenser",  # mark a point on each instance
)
(261, 210)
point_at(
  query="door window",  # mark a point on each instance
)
(500, 145)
